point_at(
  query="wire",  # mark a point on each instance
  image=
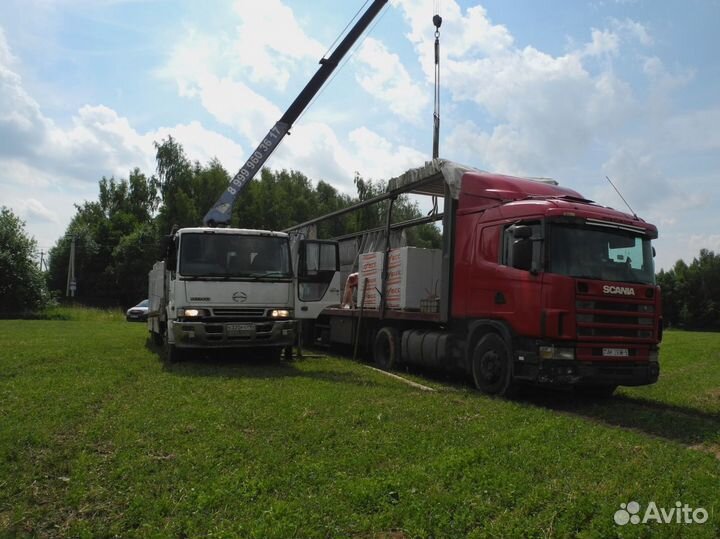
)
(332, 45)
(345, 61)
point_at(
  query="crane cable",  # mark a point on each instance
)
(347, 57)
(437, 22)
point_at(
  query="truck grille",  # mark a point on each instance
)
(238, 312)
(614, 318)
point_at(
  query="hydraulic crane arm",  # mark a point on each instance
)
(221, 212)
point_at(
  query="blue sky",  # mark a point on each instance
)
(570, 90)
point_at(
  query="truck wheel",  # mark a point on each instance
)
(173, 353)
(386, 350)
(602, 391)
(491, 366)
(157, 338)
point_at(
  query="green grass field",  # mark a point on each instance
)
(100, 438)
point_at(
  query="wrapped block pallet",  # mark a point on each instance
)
(413, 275)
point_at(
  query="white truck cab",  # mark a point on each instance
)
(235, 288)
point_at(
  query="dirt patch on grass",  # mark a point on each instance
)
(392, 534)
(713, 449)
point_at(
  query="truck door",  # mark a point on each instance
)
(519, 284)
(318, 278)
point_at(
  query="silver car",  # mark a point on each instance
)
(138, 313)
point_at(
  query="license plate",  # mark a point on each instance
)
(240, 330)
(616, 352)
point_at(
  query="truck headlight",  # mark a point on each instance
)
(281, 313)
(192, 313)
(556, 352)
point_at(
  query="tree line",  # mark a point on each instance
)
(691, 292)
(118, 236)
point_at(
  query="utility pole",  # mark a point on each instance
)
(71, 284)
(41, 259)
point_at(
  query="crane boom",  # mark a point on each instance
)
(221, 212)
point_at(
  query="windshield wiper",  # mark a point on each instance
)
(270, 275)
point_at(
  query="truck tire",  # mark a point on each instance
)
(386, 349)
(173, 353)
(157, 338)
(492, 366)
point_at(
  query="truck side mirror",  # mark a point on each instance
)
(522, 254)
(522, 232)
(171, 253)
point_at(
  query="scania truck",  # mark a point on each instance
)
(536, 285)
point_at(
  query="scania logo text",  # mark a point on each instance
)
(619, 290)
(239, 297)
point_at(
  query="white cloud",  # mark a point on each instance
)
(314, 147)
(388, 159)
(546, 110)
(471, 32)
(662, 80)
(603, 42)
(633, 29)
(695, 131)
(37, 211)
(316, 150)
(194, 66)
(385, 77)
(686, 246)
(269, 40)
(60, 166)
(201, 144)
(6, 56)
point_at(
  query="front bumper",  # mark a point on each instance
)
(209, 334)
(638, 369)
(624, 373)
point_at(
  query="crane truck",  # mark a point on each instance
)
(221, 287)
(533, 284)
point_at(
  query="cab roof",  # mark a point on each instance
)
(234, 231)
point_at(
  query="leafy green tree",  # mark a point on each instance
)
(22, 286)
(98, 228)
(691, 293)
(133, 257)
(187, 190)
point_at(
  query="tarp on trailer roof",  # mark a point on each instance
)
(433, 175)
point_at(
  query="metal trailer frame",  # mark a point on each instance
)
(432, 185)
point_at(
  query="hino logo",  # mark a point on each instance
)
(620, 290)
(239, 297)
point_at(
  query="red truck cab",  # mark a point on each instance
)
(570, 283)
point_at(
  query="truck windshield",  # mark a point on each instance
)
(595, 252)
(234, 255)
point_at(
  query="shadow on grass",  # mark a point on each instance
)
(222, 363)
(681, 424)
